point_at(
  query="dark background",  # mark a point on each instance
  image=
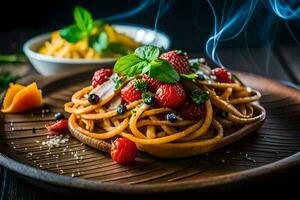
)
(188, 22)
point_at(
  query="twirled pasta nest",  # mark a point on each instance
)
(96, 125)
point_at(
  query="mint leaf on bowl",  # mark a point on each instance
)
(83, 19)
(82, 28)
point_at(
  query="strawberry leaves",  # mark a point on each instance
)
(145, 61)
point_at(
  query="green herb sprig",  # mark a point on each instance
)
(145, 61)
(83, 26)
(198, 96)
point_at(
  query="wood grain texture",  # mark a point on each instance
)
(277, 139)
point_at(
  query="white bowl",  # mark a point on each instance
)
(48, 65)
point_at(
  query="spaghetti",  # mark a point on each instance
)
(146, 126)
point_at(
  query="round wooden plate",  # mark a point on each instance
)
(23, 149)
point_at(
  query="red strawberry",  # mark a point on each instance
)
(152, 83)
(60, 126)
(101, 76)
(123, 150)
(191, 111)
(170, 95)
(129, 93)
(222, 75)
(178, 60)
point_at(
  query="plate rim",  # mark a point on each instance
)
(37, 174)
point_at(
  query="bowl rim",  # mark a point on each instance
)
(45, 58)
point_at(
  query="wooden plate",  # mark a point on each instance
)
(273, 147)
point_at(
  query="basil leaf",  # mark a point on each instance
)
(72, 33)
(83, 19)
(163, 71)
(99, 42)
(130, 65)
(189, 76)
(147, 52)
(198, 96)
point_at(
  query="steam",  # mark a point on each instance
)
(142, 6)
(235, 17)
(229, 26)
(289, 9)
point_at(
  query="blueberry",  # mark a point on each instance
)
(149, 101)
(121, 109)
(93, 99)
(59, 116)
(201, 76)
(171, 117)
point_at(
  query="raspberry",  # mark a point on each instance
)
(222, 75)
(101, 76)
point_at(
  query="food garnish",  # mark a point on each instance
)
(167, 109)
(19, 98)
(178, 60)
(123, 151)
(59, 116)
(60, 126)
(101, 76)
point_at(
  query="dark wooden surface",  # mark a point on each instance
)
(282, 66)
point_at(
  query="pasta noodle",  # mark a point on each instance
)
(59, 47)
(146, 126)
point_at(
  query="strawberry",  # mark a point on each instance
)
(123, 150)
(178, 60)
(222, 75)
(101, 76)
(60, 126)
(129, 93)
(170, 95)
(152, 83)
(191, 111)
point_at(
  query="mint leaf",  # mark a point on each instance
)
(99, 42)
(147, 52)
(141, 85)
(189, 76)
(83, 19)
(72, 33)
(163, 71)
(130, 65)
(198, 96)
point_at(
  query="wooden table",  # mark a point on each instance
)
(282, 65)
